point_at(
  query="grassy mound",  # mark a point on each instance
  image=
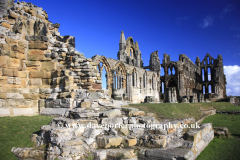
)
(16, 132)
(180, 110)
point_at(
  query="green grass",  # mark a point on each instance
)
(223, 149)
(16, 132)
(231, 108)
(218, 149)
(180, 110)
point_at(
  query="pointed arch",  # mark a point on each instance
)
(105, 71)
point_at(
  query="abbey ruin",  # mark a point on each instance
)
(40, 69)
(42, 73)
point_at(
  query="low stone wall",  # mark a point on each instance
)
(229, 112)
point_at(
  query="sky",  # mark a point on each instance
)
(191, 27)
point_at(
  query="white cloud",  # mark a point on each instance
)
(208, 21)
(227, 10)
(233, 80)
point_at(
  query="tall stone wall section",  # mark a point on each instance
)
(36, 62)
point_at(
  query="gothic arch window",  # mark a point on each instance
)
(162, 87)
(209, 74)
(203, 89)
(203, 78)
(208, 60)
(103, 75)
(144, 80)
(209, 88)
(169, 71)
(133, 77)
(173, 71)
(162, 71)
(154, 82)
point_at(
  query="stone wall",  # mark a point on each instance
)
(35, 60)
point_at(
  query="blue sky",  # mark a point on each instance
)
(191, 27)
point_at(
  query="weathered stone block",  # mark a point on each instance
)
(121, 154)
(3, 61)
(112, 113)
(107, 141)
(131, 142)
(36, 52)
(6, 47)
(36, 74)
(112, 121)
(10, 72)
(35, 81)
(14, 80)
(11, 41)
(194, 135)
(48, 66)
(37, 45)
(85, 104)
(161, 143)
(3, 96)
(38, 58)
(13, 63)
(15, 96)
(7, 25)
(32, 63)
(3, 79)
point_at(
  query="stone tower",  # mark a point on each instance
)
(129, 51)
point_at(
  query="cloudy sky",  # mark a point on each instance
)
(191, 27)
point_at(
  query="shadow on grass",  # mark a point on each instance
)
(37, 132)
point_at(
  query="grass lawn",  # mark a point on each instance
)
(231, 108)
(16, 132)
(180, 110)
(227, 148)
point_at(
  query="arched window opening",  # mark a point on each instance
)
(144, 80)
(208, 60)
(104, 78)
(204, 62)
(172, 83)
(203, 78)
(162, 87)
(116, 82)
(209, 74)
(212, 61)
(153, 83)
(203, 89)
(210, 88)
(140, 85)
(133, 82)
(130, 53)
(150, 83)
(182, 59)
(162, 71)
(173, 71)
(169, 71)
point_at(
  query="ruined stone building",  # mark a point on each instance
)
(41, 71)
(185, 81)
